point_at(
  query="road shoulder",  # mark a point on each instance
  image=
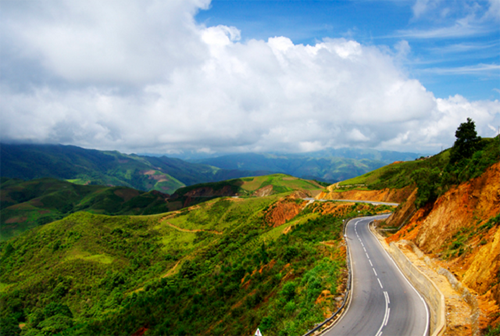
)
(458, 312)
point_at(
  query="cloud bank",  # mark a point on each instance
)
(144, 76)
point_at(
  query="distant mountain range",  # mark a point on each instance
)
(111, 168)
(165, 174)
(327, 166)
(348, 153)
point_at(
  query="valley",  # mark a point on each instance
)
(232, 256)
(228, 265)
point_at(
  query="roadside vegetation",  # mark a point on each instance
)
(218, 268)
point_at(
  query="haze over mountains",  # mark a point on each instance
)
(87, 166)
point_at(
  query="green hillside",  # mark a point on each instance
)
(87, 166)
(247, 186)
(220, 268)
(27, 204)
(434, 175)
(396, 175)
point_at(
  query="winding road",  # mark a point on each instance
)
(382, 300)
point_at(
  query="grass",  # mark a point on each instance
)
(108, 271)
(396, 175)
(4, 287)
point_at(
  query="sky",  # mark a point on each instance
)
(226, 76)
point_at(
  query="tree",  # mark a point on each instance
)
(9, 326)
(428, 183)
(467, 141)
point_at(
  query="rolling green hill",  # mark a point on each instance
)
(87, 166)
(27, 204)
(396, 175)
(250, 186)
(221, 268)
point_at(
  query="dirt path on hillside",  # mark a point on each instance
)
(191, 231)
(172, 270)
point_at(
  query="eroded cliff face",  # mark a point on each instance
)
(384, 195)
(404, 212)
(283, 210)
(455, 229)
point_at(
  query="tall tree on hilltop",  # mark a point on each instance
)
(466, 143)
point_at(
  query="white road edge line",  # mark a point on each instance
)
(348, 305)
(426, 331)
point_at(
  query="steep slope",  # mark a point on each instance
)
(87, 166)
(226, 266)
(462, 229)
(454, 217)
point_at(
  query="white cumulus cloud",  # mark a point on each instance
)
(143, 76)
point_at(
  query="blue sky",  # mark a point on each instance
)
(165, 77)
(454, 45)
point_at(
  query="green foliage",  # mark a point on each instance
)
(92, 274)
(468, 159)
(467, 142)
(9, 326)
(428, 183)
(493, 331)
(37, 202)
(491, 223)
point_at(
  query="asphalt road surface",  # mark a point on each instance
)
(382, 302)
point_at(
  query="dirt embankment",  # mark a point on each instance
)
(453, 230)
(264, 191)
(384, 195)
(283, 210)
(404, 212)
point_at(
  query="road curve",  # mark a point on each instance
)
(382, 301)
